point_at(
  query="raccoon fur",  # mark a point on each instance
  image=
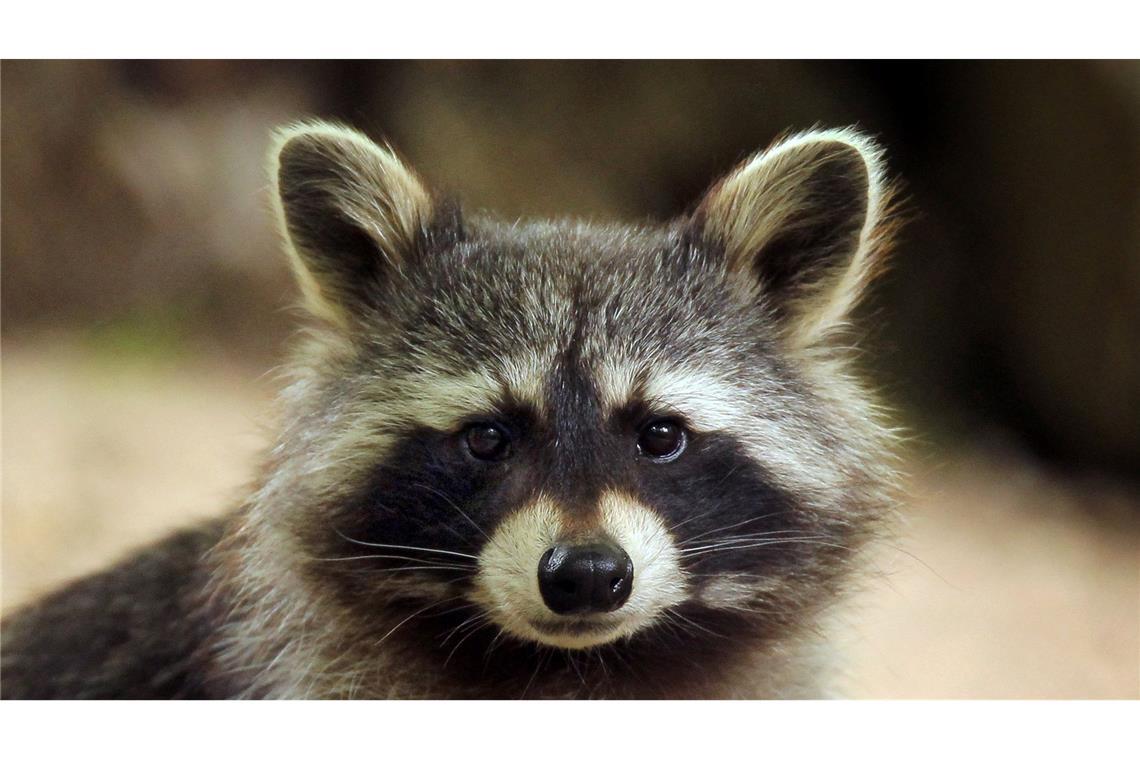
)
(528, 459)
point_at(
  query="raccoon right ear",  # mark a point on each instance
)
(802, 223)
(352, 213)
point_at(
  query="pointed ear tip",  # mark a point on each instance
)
(866, 146)
(288, 134)
(316, 131)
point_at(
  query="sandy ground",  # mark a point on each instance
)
(1002, 584)
(1003, 581)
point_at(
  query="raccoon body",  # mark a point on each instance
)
(541, 459)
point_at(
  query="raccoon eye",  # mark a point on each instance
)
(663, 440)
(487, 441)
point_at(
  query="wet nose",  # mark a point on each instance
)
(585, 578)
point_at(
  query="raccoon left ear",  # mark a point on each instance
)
(352, 213)
(803, 222)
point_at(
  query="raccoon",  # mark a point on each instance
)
(526, 459)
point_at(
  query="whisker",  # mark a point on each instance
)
(776, 541)
(421, 560)
(692, 623)
(602, 664)
(574, 665)
(541, 662)
(483, 624)
(455, 568)
(451, 610)
(463, 625)
(697, 516)
(410, 548)
(690, 539)
(491, 647)
(922, 562)
(746, 539)
(417, 612)
(451, 503)
(791, 532)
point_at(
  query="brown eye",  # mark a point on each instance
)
(488, 441)
(663, 440)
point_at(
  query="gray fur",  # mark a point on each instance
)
(413, 332)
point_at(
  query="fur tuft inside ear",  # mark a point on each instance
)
(803, 221)
(351, 212)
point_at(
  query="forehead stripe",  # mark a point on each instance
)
(705, 399)
(441, 400)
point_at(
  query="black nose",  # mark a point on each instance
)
(590, 578)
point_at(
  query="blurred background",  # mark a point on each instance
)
(144, 302)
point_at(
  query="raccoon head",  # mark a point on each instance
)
(579, 434)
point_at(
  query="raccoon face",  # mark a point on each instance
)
(579, 435)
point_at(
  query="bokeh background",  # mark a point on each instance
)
(144, 302)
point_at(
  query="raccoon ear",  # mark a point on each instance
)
(803, 221)
(352, 213)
